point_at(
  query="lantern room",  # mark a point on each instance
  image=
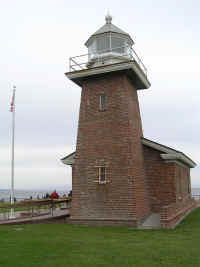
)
(108, 45)
(110, 49)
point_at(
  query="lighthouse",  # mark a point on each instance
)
(114, 168)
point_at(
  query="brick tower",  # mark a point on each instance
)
(108, 181)
(118, 176)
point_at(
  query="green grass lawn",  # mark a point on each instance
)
(60, 245)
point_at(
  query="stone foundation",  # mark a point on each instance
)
(103, 222)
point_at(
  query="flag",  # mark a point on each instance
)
(12, 105)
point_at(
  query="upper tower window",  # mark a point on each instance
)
(102, 102)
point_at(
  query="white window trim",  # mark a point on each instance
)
(100, 102)
(102, 182)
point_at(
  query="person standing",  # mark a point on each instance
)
(54, 195)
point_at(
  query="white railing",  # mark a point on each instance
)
(124, 53)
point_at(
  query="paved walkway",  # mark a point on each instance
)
(44, 216)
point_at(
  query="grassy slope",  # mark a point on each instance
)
(59, 245)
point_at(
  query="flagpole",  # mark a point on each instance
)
(12, 109)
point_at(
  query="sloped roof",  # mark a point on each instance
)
(108, 27)
(69, 159)
(169, 154)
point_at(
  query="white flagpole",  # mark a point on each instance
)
(12, 109)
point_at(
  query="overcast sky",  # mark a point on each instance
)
(38, 37)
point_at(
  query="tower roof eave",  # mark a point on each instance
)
(69, 159)
(131, 67)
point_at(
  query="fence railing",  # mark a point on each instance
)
(196, 196)
(125, 53)
(32, 208)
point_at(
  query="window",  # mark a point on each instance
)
(92, 50)
(102, 175)
(102, 102)
(118, 45)
(103, 44)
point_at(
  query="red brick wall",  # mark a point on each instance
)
(161, 178)
(172, 214)
(183, 190)
(109, 138)
(169, 183)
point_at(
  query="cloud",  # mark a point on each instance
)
(36, 44)
(35, 167)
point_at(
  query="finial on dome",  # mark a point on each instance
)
(108, 18)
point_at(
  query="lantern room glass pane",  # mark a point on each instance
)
(103, 44)
(118, 44)
(92, 50)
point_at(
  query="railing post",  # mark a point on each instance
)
(70, 64)
(52, 208)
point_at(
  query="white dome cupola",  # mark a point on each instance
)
(108, 45)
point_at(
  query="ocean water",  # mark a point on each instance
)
(27, 194)
(195, 190)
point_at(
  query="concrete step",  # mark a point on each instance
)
(152, 222)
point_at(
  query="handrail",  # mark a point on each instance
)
(33, 206)
(30, 203)
(77, 63)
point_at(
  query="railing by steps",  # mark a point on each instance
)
(32, 208)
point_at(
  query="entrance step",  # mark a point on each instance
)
(152, 222)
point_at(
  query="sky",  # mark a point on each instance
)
(37, 39)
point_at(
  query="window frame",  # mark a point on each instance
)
(102, 102)
(102, 171)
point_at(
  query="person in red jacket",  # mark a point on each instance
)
(54, 195)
